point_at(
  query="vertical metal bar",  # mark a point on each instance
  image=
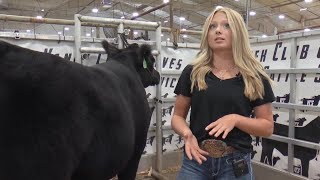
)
(120, 31)
(247, 13)
(98, 31)
(159, 133)
(292, 112)
(173, 30)
(77, 39)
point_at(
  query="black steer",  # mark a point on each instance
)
(64, 121)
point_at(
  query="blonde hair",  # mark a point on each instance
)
(250, 69)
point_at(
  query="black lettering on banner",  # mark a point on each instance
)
(272, 76)
(172, 62)
(317, 79)
(256, 53)
(263, 55)
(165, 60)
(302, 79)
(279, 76)
(179, 64)
(278, 45)
(304, 51)
(287, 77)
(98, 59)
(267, 67)
(283, 57)
(172, 85)
(318, 54)
(48, 51)
(167, 80)
(85, 56)
(67, 56)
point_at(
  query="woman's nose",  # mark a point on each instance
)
(218, 30)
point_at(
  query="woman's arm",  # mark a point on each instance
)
(181, 127)
(180, 113)
(261, 126)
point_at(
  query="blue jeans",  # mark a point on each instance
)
(214, 168)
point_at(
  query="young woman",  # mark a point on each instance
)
(223, 86)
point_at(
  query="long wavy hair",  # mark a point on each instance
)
(251, 69)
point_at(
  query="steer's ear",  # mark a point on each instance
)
(145, 50)
(110, 49)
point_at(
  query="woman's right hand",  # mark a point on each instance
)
(193, 150)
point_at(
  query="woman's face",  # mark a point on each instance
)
(219, 33)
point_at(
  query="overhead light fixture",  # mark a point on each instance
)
(307, 30)
(135, 33)
(236, 0)
(183, 29)
(182, 18)
(168, 39)
(184, 36)
(42, 10)
(161, 35)
(28, 30)
(307, 1)
(165, 1)
(165, 21)
(303, 9)
(67, 28)
(59, 32)
(264, 36)
(122, 17)
(219, 7)
(134, 14)
(95, 10)
(252, 13)
(39, 17)
(88, 34)
(281, 16)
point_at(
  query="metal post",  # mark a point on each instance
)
(120, 31)
(98, 32)
(77, 39)
(292, 112)
(158, 104)
(150, 10)
(130, 23)
(247, 13)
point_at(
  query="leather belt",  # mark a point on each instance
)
(216, 148)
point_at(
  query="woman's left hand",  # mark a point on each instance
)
(222, 125)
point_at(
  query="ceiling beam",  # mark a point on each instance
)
(286, 4)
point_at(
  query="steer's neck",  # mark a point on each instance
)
(128, 61)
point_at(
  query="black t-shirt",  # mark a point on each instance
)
(219, 99)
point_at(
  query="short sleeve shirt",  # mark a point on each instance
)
(222, 97)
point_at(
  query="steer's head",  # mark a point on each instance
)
(143, 61)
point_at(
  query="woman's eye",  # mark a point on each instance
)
(227, 26)
(212, 26)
